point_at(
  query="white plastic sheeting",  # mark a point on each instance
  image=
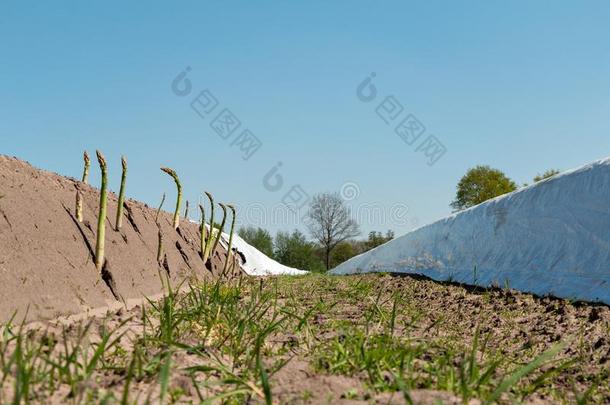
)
(256, 262)
(552, 237)
(253, 261)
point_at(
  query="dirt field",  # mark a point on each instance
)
(46, 255)
(310, 339)
(320, 339)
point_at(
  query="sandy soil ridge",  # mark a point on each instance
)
(46, 255)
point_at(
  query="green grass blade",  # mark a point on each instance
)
(264, 377)
(164, 376)
(507, 383)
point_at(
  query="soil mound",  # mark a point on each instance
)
(46, 255)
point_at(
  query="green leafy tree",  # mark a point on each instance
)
(377, 239)
(259, 238)
(546, 175)
(295, 250)
(343, 252)
(480, 184)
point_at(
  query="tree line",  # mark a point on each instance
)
(482, 183)
(294, 249)
(333, 230)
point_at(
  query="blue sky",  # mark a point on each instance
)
(521, 86)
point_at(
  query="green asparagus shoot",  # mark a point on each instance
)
(86, 169)
(159, 209)
(119, 211)
(173, 174)
(101, 218)
(229, 253)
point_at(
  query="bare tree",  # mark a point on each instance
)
(330, 222)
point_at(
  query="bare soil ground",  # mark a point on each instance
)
(319, 339)
(46, 255)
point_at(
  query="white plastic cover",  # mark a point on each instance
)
(552, 237)
(257, 263)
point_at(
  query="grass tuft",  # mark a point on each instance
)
(229, 341)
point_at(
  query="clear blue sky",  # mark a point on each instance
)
(522, 86)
